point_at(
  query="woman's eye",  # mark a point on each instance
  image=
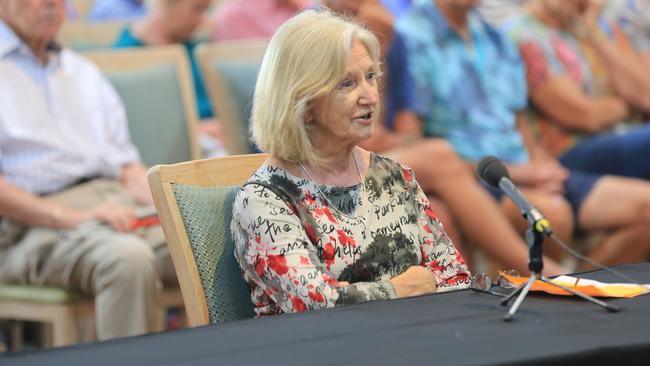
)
(372, 75)
(346, 83)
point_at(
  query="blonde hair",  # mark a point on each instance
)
(306, 59)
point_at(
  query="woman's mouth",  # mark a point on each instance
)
(365, 117)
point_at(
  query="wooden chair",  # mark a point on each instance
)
(230, 72)
(194, 202)
(157, 89)
(67, 316)
(58, 308)
(85, 36)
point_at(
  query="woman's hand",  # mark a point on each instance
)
(416, 280)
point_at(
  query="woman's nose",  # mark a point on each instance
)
(369, 94)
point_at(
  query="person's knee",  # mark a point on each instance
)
(557, 210)
(561, 217)
(440, 150)
(130, 257)
(642, 211)
(441, 162)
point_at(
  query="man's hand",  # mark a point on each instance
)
(119, 217)
(547, 175)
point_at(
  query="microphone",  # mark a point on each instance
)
(492, 171)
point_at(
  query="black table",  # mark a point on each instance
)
(460, 328)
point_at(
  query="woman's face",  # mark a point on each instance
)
(345, 115)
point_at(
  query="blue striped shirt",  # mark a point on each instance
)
(59, 122)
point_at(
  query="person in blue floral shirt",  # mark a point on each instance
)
(471, 86)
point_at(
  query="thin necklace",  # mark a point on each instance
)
(329, 203)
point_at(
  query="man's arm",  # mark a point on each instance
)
(627, 71)
(542, 171)
(134, 180)
(29, 209)
(559, 98)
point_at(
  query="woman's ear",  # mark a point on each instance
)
(309, 117)
(309, 114)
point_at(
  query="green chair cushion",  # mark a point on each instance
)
(32, 293)
(240, 79)
(206, 213)
(154, 107)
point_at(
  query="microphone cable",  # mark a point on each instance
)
(581, 257)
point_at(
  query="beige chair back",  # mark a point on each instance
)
(160, 138)
(205, 178)
(230, 71)
(85, 36)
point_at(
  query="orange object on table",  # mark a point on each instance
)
(583, 285)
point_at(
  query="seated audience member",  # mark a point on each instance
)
(496, 12)
(70, 178)
(372, 13)
(397, 7)
(352, 226)
(460, 203)
(249, 19)
(174, 22)
(475, 96)
(117, 10)
(633, 17)
(577, 98)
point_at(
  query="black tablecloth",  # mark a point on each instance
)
(459, 328)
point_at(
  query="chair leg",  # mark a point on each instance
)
(64, 328)
(17, 334)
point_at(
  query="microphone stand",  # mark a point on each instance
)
(538, 227)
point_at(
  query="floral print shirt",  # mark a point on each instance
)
(294, 249)
(467, 95)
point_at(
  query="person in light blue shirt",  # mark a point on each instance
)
(71, 180)
(117, 10)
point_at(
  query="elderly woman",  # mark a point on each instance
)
(323, 222)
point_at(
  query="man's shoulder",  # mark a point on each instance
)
(79, 65)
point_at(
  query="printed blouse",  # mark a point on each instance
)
(295, 250)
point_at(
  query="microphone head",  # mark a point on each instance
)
(491, 170)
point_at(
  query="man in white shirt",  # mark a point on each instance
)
(70, 178)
